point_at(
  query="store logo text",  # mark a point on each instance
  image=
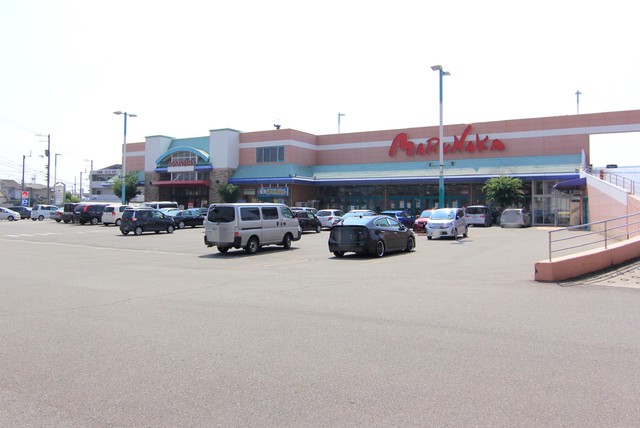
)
(460, 144)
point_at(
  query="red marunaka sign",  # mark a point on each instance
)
(184, 162)
(460, 144)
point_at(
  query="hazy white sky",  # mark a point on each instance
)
(185, 67)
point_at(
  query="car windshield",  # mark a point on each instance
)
(443, 215)
(426, 214)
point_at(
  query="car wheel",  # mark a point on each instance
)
(138, 230)
(223, 249)
(429, 237)
(181, 225)
(118, 222)
(10, 218)
(318, 228)
(380, 249)
(40, 217)
(170, 229)
(466, 232)
(286, 242)
(411, 244)
(94, 220)
(124, 232)
(34, 219)
(338, 253)
(252, 245)
(66, 221)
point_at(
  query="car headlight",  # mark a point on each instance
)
(449, 224)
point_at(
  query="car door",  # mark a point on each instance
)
(271, 230)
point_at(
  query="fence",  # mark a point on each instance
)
(631, 186)
(601, 234)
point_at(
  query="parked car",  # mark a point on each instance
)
(170, 211)
(7, 214)
(478, 215)
(112, 214)
(420, 225)
(376, 235)
(140, 220)
(308, 221)
(515, 217)
(359, 213)
(313, 210)
(25, 212)
(191, 217)
(159, 204)
(250, 226)
(327, 217)
(88, 213)
(402, 216)
(67, 212)
(40, 212)
(447, 222)
(56, 215)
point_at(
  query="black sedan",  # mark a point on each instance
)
(308, 221)
(191, 217)
(370, 235)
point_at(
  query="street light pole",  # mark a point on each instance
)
(339, 116)
(55, 179)
(124, 150)
(442, 73)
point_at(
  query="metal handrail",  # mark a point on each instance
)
(604, 235)
(617, 180)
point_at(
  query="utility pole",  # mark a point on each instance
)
(80, 186)
(48, 154)
(24, 157)
(578, 93)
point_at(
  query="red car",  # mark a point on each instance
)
(420, 224)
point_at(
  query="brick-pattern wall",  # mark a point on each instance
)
(218, 176)
(151, 192)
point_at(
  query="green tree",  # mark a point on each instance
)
(70, 198)
(228, 192)
(130, 188)
(503, 191)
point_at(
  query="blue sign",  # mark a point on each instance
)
(25, 202)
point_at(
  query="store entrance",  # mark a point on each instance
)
(187, 197)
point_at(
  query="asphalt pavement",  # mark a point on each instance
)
(99, 329)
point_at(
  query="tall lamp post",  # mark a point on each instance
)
(124, 150)
(55, 179)
(442, 73)
(339, 116)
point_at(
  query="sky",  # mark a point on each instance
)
(187, 67)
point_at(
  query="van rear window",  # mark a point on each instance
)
(222, 215)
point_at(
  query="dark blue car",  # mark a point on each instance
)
(374, 235)
(402, 216)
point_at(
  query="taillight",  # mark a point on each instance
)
(86, 208)
(330, 218)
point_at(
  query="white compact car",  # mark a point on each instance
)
(7, 214)
(329, 217)
(447, 222)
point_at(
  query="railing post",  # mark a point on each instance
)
(605, 234)
(550, 245)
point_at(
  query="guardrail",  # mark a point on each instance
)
(593, 235)
(631, 186)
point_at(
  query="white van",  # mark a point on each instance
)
(113, 214)
(40, 212)
(250, 226)
(160, 204)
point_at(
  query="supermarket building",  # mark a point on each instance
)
(388, 169)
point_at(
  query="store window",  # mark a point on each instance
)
(270, 154)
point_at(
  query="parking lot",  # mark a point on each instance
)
(102, 329)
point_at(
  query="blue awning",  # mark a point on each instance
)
(569, 184)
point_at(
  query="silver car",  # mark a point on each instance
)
(515, 217)
(7, 214)
(329, 217)
(447, 222)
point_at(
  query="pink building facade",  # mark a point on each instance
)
(388, 169)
